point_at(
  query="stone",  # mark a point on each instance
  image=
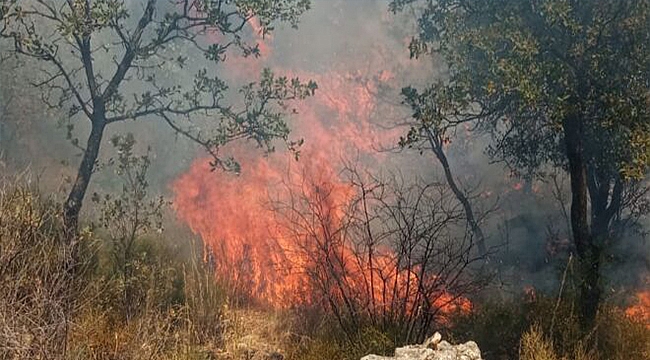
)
(433, 341)
(434, 348)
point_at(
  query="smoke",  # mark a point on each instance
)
(357, 52)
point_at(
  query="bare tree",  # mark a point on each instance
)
(107, 63)
(392, 255)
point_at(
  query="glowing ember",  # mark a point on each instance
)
(641, 310)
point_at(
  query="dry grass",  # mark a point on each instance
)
(524, 330)
(40, 284)
(251, 333)
(163, 329)
(534, 345)
(322, 339)
(55, 308)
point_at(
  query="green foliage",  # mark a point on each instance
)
(126, 218)
(102, 14)
(555, 83)
(520, 68)
(318, 349)
(329, 343)
(66, 38)
(85, 27)
(269, 11)
(495, 327)
(132, 213)
(369, 340)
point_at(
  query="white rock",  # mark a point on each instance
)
(443, 351)
(433, 341)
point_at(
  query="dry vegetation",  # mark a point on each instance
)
(544, 329)
(39, 290)
(56, 304)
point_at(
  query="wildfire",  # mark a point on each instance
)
(269, 258)
(641, 310)
(254, 252)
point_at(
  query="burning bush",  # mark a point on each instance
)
(397, 256)
(365, 249)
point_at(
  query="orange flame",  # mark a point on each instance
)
(641, 310)
(253, 252)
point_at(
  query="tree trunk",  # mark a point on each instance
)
(588, 253)
(72, 206)
(437, 148)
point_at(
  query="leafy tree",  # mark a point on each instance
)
(106, 63)
(129, 215)
(560, 83)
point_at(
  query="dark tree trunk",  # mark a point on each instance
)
(72, 206)
(587, 251)
(437, 148)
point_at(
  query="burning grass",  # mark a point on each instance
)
(640, 310)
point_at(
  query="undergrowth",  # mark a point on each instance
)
(63, 303)
(545, 329)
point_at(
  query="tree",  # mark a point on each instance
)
(73, 39)
(127, 217)
(435, 138)
(561, 83)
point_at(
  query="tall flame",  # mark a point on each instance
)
(254, 252)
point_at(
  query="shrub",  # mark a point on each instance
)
(618, 337)
(495, 327)
(535, 346)
(179, 314)
(327, 340)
